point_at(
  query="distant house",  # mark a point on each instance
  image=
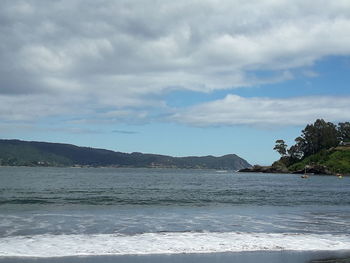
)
(347, 144)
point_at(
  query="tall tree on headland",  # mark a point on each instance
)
(281, 147)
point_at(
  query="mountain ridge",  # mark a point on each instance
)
(34, 153)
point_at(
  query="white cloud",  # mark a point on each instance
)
(35, 107)
(126, 54)
(236, 110)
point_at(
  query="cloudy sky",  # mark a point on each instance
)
(181, 77)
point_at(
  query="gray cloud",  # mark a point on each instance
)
(78, 57)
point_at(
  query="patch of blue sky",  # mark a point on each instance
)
(334, 76)
(329, 76)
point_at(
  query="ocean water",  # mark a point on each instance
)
(59, 212)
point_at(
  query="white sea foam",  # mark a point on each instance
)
(165, 243)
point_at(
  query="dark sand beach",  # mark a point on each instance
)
(246, 257)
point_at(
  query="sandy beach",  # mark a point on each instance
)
(246, 257)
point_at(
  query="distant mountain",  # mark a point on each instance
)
(27, 153)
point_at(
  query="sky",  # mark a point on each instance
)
(185, 77)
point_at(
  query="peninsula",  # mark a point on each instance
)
(29, 153)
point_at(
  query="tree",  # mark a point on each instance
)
(296, 152)
(344, 131)
(281, 147)
(318, 136)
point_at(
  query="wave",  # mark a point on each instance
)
(166, 243)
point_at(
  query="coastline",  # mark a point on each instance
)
(273, 170)
(122, 167)
(247, 257)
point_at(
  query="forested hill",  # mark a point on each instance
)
(25, 153)
(322, 144)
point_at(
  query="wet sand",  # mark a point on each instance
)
(246, 257)
(333, 260)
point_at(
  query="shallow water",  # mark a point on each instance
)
(55, 212)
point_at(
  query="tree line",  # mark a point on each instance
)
(314, 137)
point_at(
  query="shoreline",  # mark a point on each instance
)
(120, 167)
(271, 170)
(227, 257)
(242, 171)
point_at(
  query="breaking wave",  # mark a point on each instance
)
(166, 243)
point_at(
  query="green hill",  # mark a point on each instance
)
(322, 148)
(337, 160)
(24, 153)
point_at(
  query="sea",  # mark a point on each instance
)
(74, 212)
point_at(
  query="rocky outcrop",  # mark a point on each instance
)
(314, 169)
(278, 168)
(265, 169)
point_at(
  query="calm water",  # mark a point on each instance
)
(52, 212)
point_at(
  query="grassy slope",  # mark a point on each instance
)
(337, 160)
